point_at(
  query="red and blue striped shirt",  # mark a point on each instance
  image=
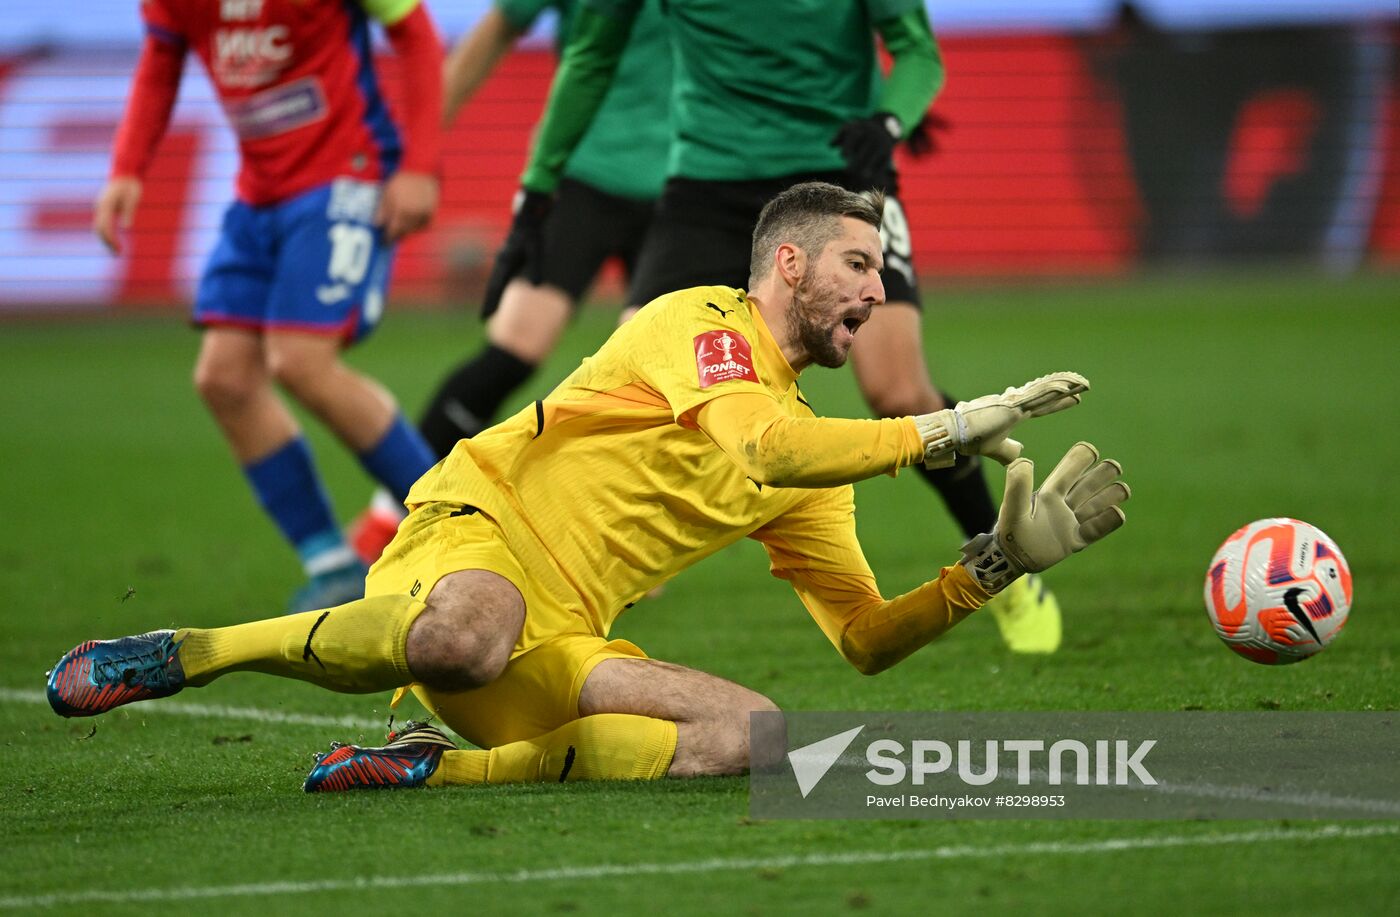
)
(297, 81)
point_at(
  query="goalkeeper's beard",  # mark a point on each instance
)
(805, 315)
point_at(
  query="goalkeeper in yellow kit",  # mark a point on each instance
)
(684, 433)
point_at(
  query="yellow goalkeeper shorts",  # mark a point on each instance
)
(537, 693)
(557, 649)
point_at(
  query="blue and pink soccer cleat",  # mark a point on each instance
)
(409, 759)
(98, 675)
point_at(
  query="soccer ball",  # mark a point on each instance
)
(1278, 591)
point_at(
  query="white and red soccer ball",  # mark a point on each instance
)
(1278, 591)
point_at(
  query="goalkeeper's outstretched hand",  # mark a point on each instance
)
(523, 246)
(1079, 503)
(981, 426)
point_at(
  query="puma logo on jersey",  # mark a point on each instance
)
(723, 313)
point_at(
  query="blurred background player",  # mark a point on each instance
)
(329, 182)
(767, 96)
(602, 210)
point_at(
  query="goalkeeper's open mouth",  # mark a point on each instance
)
(853, 321)
(843, 332)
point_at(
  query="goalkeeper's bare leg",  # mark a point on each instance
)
(460, 638)
(639, 719)
(711, 714)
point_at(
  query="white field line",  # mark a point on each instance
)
(211, 711)
(1375, 808)
(628, 870)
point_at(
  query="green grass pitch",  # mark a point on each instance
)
(1226, 399)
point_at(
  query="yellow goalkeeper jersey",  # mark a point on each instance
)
(621, 477)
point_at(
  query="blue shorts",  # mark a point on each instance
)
(315, 262)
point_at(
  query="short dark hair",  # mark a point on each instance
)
(809, 216)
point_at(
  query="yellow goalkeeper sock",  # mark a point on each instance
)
(356, 648)
(606, 746)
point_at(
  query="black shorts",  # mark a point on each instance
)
(703, 232)
(584, 229)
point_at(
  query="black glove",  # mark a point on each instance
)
(868, 145)
(524, 245)
(926, 137)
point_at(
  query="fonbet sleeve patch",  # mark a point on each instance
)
(723, 356)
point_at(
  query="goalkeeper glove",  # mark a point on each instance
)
(980, 426)
(524, 245)
(868, 146)
(1079, 503)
